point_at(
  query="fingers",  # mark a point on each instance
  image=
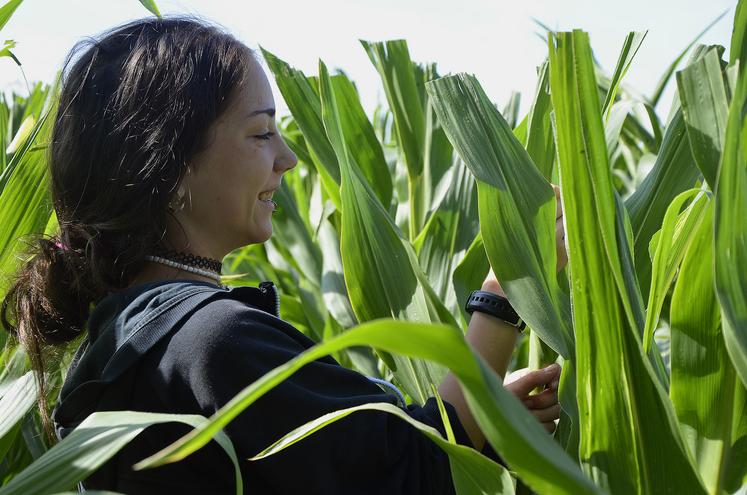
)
(549, 426)
(515, 375)
(533, 379)
(559, 209)
(549, 414)
(543, 400)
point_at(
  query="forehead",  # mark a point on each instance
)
(255, 93)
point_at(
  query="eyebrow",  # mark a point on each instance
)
(268, 111)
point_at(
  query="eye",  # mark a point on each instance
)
(266, 136)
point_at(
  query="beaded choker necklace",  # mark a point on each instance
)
(188, 262)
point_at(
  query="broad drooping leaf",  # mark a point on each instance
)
(96, 440)
(709, 399)
(514, 434)
(516, 204)
(17, 398)
(471, 472)
(630, 441)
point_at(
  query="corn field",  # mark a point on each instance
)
(388, 223)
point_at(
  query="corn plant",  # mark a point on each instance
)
(386, 225)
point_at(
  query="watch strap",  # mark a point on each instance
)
(495, 305)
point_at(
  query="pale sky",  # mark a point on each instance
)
(495, 40)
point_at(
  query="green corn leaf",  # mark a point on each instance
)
(731, 231)
(470, 273)
(18, 397)
(446, 237)
(517, 216)
(708, 398)
(21, 135)
(655, 123)
(520, 131)
(540, 143)
(304, 104)
(439, 156)
(516, 435)
(151, 6)
(363, 144)
(34, 140)
(333, 278)
(511, 192)
(613, 127)
(91, 444)
(705, 108)
(382, 274)
(629, 439)
(630, 47)
(291, 231)
(511, 110)
(673, 173)
(677, 232)
(25, 207)
(4, 122)
(472, 473)
(400, 78)
(392, 61)
(7, 10)
(313, 305)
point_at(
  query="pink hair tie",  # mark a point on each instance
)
(61, 245)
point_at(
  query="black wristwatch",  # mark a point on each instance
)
(495, 305)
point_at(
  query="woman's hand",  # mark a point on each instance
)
(491, 282)
(544, 406)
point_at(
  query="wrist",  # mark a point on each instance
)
(492, 285)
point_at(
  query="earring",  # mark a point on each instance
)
(177, 201)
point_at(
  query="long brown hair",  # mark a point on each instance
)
(135, 106)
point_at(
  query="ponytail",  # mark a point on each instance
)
(46, 307)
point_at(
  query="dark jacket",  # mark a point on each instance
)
(233, 338)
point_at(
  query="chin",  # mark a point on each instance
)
(260, 237)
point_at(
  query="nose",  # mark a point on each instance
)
(285, 159)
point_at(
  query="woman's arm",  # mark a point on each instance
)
(494, 341)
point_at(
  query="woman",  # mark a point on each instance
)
(164, 157)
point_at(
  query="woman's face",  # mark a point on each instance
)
(245, 158)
